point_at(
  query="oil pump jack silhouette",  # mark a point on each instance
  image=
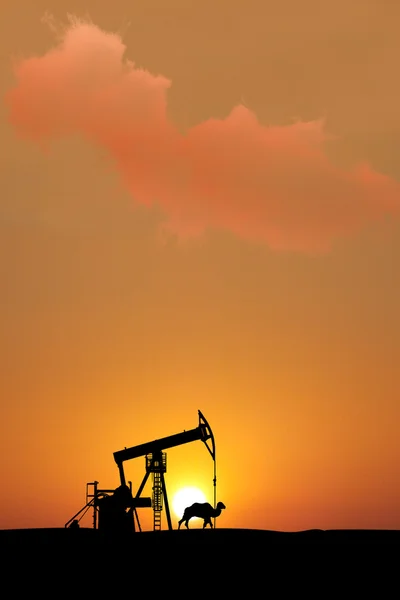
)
(115, 511)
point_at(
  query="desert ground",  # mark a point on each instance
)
(200, 563)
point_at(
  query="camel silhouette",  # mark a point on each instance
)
(202, 510)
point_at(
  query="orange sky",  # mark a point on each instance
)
(200, 209)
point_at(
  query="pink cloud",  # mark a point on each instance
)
(273, 185)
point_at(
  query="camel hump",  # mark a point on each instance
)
(197, 505)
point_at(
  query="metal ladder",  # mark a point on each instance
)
(156, 464)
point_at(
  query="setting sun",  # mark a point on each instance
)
(186, 497)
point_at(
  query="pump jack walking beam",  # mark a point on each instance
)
(202, 432)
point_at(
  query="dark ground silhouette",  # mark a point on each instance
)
(201, 563)
(238, 541)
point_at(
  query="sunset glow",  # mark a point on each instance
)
(186, 497)
(200, 210)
